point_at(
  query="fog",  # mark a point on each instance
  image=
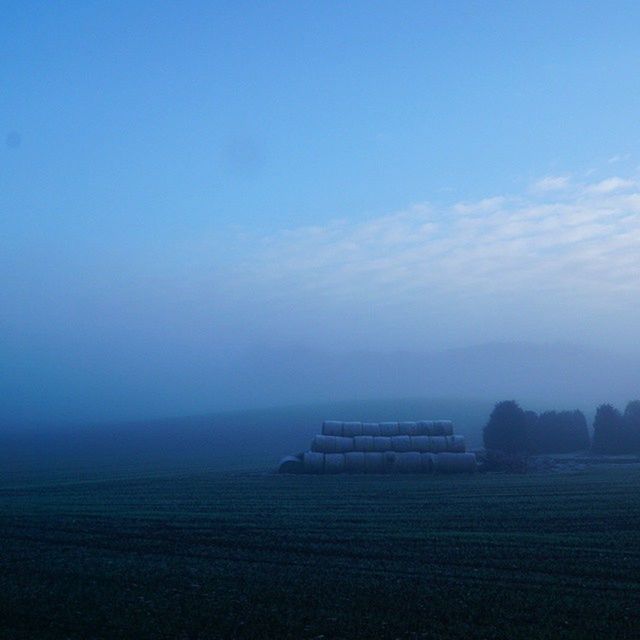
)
(234, 208)
(529, 296)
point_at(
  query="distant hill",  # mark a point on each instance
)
(541, 375)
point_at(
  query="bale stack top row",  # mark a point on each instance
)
(424, 446)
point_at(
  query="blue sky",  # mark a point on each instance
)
(181, 179)
(170, 116)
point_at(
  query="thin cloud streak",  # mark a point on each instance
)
(546, 264)
(583, 243)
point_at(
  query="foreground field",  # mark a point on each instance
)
(263, 556)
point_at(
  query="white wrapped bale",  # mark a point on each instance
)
(436, 429)
(370, 429)
(374, 462)
(334, 463)
(323, 444)
(438, 444)
(407, 428)
(388, 428)
(331, 428)
(363, 443)
(290, 464)
(389, 458)
(313, 462)
(401, 443)
(344, 444)
(420, 443)
(455, 462)
(351, 429)
(424, 428)
(455, 444)
(427, 462)
(408, 462)
(447, 427)
(354, 462)
(442, 428)
(382, 443)
(331, 444)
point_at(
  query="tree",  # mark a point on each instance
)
(507, 428)
(531, 418)
(632, 425)
(559, 432)
(543, 436)
(580, 431)
(608, 430)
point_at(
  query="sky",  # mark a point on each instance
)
(180, 182)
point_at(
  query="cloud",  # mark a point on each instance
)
(618, 158)
(612, 184)
(583, 245)
(552, 183)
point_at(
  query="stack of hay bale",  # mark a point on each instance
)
(427, 446)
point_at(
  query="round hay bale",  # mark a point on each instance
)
(456, 444)
(424, 428)
(370, 429)
(446, 426)
(438, 444)
(324, 444)
(382, 443)
(455, 462)
(388, 428)
(342, 445)
(334, 463)
(420, 443)
(401, 443)
(313, 462)
(408, 462)
(427, 462)
(374, 462)
(407, 428)
(363, 443)
(290, 464)
(436, 429)
(354, 462)
(331, 428)
(389, 460)
(442, 428)
(351, 429)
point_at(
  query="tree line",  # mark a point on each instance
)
(514, 430)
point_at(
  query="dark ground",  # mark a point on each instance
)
(262, 556)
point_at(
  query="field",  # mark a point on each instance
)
(254, 555)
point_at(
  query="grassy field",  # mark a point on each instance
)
(264, 556)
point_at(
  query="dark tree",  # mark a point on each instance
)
(580, 431)
(507, 428)
(543, 435)
(560, 432)
(632, 426)
(531, 418)
(608, 431)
